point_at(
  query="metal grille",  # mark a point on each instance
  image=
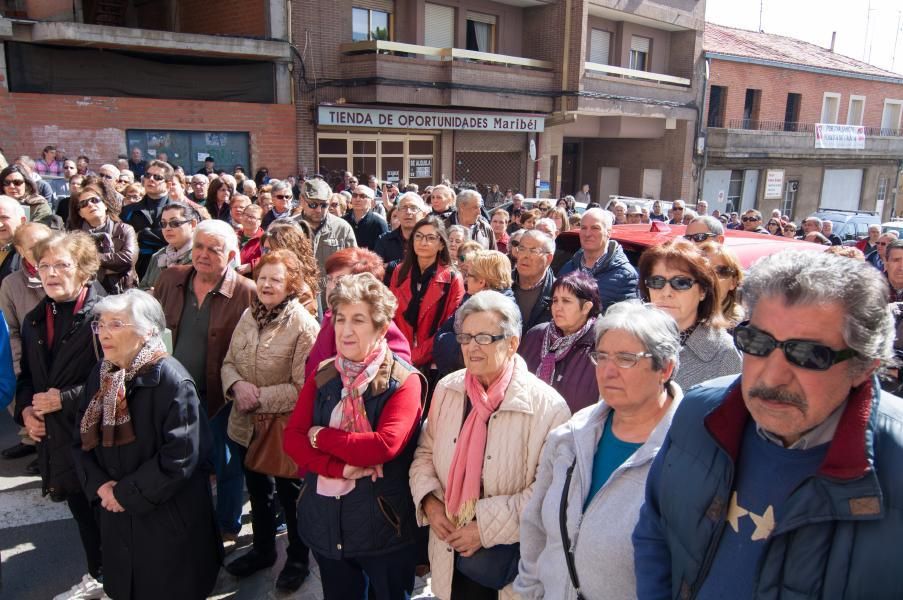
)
(482, 169)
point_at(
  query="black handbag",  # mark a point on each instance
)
(493, 567)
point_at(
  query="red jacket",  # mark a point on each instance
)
(444, 294)
(251, 250)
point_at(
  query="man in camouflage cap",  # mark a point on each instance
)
(329, 233)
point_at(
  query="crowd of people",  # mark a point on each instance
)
(407, 383)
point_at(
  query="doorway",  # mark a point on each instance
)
(570, 169)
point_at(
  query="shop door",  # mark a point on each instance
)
(570, 169)
(397, 159)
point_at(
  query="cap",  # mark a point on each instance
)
(367, 190)
(316, 189)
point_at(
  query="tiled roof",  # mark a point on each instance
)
(771, 47)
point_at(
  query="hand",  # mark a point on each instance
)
(242, 269)
(46, 402)
(247, 396)
(352, 472)
(34, 424)
(107, 499)
(466, 540)
(435, 514)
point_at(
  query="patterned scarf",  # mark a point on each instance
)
(107, 419)
(350, 414)
(172, 257)
(265, 316)
(686, 333)
(556, 346)
(466, 471)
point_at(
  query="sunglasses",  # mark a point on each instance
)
(750, 219)
(13, 182)
(154, 176)
(698, 237)
(283, 196)
(802, 353)
(316, 205)
(85, 202)
(172, 224)
(725, 272)
(679, 283)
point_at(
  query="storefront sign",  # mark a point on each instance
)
(421, 168)
(350, 116)
(843, 137)
(774, 183)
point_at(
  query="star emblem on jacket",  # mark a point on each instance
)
(764, 523)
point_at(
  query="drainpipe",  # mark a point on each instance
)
(897, 187)
(567, 53)
(702, 132)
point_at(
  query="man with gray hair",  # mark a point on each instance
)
(810, 224)
(365, 223)
(705, 229)
(410, 209)
(603, 259)
(203, 302)
(788, 477)
(533, 278)
(468, 205)
(12, 215)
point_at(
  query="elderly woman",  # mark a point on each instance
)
(351, 261)
(486, 270)
(17, 184)
(499, 224)
(594, 468)
(678, 279)
(457, 236)
(249, 238)
(263, 373)
(354, 431)
(145, 456)
(476, 461)
(132, 193)
(428, 290)
(117, 244)
(728, 277)
(58, 354)
(558, 352)
(281, 195)
(288, 235)
(338, 205)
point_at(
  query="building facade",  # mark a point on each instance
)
(794, 126)
(186, 78)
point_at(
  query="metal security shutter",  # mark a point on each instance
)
(439, 30)
(639, 44)
(599, 43)
(841, 188)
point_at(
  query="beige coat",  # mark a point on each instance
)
(517, 434)
(273, 360)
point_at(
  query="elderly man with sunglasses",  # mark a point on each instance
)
(785, 482)
(705, 229)
(366, 224)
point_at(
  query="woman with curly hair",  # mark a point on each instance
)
(289, 235)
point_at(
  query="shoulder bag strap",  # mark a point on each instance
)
(565, 540)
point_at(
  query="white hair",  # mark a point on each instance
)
(548, 244)
(221, 231)
(509, 318)
(468, 195)
(415, 198)
(144, 310)
(607, 218)
(546, 222)
(12, 204)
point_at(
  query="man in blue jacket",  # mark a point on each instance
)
(603, 259)
(787, 481)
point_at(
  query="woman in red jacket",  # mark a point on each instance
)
(428, 290)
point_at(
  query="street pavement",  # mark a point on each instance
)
(42, 556)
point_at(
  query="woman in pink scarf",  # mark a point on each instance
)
(476, 461)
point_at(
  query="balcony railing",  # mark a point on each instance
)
(442, 54)
(634, 74)
(797, 127)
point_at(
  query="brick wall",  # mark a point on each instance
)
(224, 17)
(96, 126)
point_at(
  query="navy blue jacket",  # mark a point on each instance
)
(840, 536)
(368, 229)
(390, 246)
(615, 276)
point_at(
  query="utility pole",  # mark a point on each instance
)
(865, 41)
(893, 58)
(761, 9)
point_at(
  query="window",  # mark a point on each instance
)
(830, 105)
(439, 31)
(369, 24)
(890, 118)
(792, 113)
(717, 104)
(735, 191)
(790, 197)
(751, 109)
(856, 110)
(599, 45)
(480, 32)
(882, 189)
(639, 53)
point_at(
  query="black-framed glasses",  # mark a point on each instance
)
(805, 354)
(482, 339)
(699, 237)
(430, 238)
(86, 201)
(679, 283)
(154, 176)
(13, 182)
(725, 272)
(172, 223)
(622, 360)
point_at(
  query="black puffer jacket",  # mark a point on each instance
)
(76, 355)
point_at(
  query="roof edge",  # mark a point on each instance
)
(798, 67)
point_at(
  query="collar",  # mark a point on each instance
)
(225, 287)
(818, 435)
(518, 396)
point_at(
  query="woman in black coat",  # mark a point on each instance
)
(58, 353)
(145, 458)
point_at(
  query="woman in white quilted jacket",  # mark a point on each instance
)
(476, 462)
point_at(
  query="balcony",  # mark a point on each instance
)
(796, 127)
(621, 72)
(449, 76)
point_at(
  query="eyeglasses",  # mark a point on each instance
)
(882, 243)
(359, 196)
(86, 201)
(113, 326)
(514, 244)
(56, 267)
(802, 353)
(725, 272)
(154, 176)
(333, 205)
(699, 237)
(124, 180)
(173, 223)
(676, 208)
(622, 360)
(482, 339)
(409, 208)
(13, 182)
(106, 176)
(530, 251)
(431, 238)
(314, 205)
(750, 219)
(679, 283)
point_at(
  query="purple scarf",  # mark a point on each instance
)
(555, 346)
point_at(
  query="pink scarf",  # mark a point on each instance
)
(350, 414)
(463, 488)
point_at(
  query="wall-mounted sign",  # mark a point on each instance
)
(384, 118)
(774, 184)
(842, 137)
(421, 168)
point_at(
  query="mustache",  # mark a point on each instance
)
(773, 394)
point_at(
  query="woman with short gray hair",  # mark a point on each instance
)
(145, 456)
(476, 461)
(594, 468)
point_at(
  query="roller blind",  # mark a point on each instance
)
(439, 30)
(481, 18)
(600, 42)
(639, 44)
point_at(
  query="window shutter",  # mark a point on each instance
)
(439, 23)
(600, 42)
(481, 18)
(639, 44)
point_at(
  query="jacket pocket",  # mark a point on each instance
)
(389, 514)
